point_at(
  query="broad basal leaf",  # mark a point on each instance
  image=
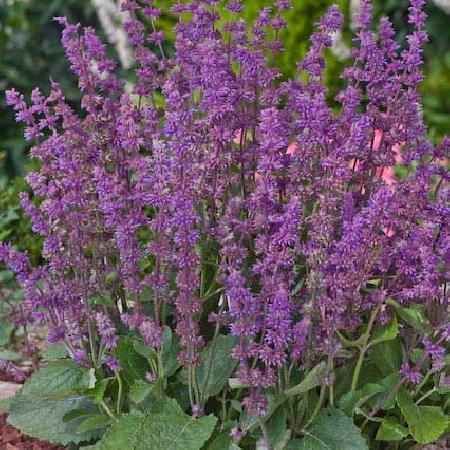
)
(426, 423)
(55, 351)
(39, 407)
(391, 430)
(333, 430)
(165, 426)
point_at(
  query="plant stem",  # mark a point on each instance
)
(191, 399)
(363, 349)
(213, 348)
(318, 406)
(107, 410)
(426, 395)
(265, 433)
(119, 393)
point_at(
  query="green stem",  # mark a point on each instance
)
(422, 383)
(119, 393)
(107, 410)
(191, 399)
(92, 345)
(265, 433)
(426, 395)
(224, 405)
(363, 349)
(318, 406)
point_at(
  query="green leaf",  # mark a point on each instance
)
(276, 425)
(9, 355)
(111, 277)
(355, 399)
(387, 356)
(170, 350)
(358, 343)
(222, 442)
(97, 422)
(4, 404)
(39, 408)
(249, 421)
(165, 426)
(333, 430)
(5, 331)
(98, 392)
(216, 367)
(426, 423)
(281, 444)
(102, 298)
(383, 333)
(134, 366)
(144, 350)
(140, 390)
(76, 414)
(388, 383)
(391, 430)
(414, 315)
(312, 380)
(55, 351)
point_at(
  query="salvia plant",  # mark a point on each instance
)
(233, 259)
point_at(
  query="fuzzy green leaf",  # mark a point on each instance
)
(140, 390)
(92, 423)
(391, 430)
(426, 423)
(388, 356)
(165, 426)
(134, 366)
(55, 351)
(6, 329)
(332, 430)
(39, 408)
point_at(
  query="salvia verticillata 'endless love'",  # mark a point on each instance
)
(216, 196)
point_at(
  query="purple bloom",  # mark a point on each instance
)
(16, 372)
(413, 376)
(241, 182)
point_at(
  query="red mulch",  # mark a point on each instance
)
(13, 439)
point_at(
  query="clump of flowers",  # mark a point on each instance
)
(215, 187)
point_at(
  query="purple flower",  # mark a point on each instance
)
(16, 372)
(413, 376)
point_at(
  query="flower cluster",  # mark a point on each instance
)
(310, 228)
